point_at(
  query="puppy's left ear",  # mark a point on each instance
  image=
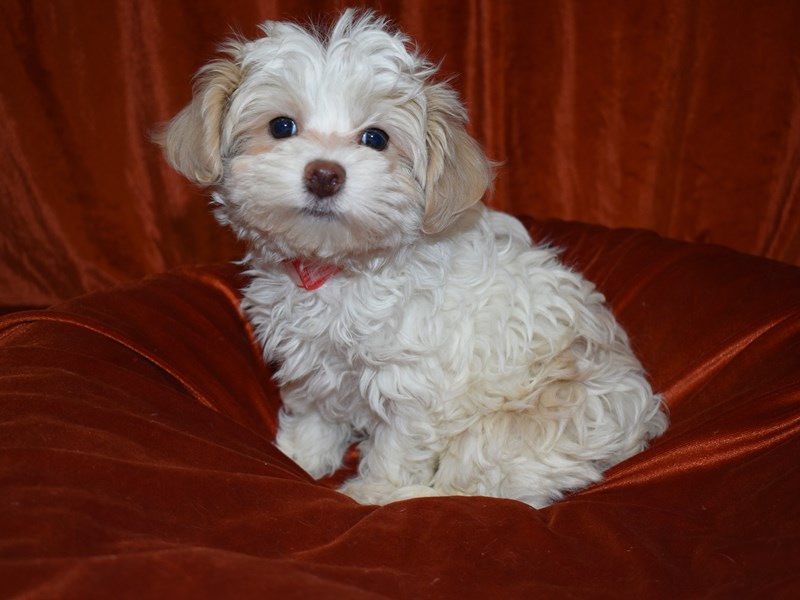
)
(458, 172)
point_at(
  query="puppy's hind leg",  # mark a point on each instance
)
(514, 454)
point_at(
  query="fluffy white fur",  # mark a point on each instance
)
(463, 359)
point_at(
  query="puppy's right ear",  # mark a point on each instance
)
(191, 141)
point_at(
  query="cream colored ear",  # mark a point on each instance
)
(458, 171)
(191, 141)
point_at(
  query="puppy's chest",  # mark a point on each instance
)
(333, 323)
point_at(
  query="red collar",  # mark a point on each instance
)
(309, 274)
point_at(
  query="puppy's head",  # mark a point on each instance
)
(328, 146)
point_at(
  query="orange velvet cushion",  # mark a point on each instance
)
(136, 456)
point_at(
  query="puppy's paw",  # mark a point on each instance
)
(314, 445)
(366, 492)
(317, 464)
(413, 491)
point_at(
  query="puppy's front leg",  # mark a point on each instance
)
(312, 442)
(396, 464)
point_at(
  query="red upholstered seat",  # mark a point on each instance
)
(136, 457)
(136, 423)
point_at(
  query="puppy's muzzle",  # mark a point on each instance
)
(324, 178)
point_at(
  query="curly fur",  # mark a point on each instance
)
(461, 358)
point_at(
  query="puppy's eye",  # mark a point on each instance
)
(375, 138)
(282, 127)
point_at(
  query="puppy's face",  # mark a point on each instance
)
(328, 147)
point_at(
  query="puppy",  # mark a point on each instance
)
(404, 314)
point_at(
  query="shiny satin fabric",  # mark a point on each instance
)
(136, 427)
(678, 116)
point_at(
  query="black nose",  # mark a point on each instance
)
(324, 178)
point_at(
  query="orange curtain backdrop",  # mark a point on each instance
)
(681, 116)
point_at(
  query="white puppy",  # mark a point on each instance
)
(404, 314)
